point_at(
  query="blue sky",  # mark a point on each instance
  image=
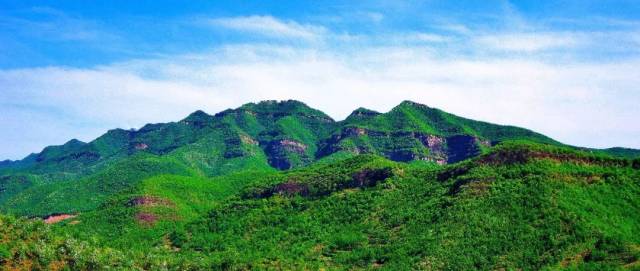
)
(68, 69)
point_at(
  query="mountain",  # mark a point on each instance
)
(280, 185)
(411, 131)
(621, 152)
(291, 134)
(264, 136)
(521, 205)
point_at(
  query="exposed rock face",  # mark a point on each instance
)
(280, 151)
(233, 146)
(248, 140)
(233, 141)
(332, 144)
(141, 146)
(406, 146)
(293, 146)
(437, 148)
(461, 147)
(353, 131)
(434, 143)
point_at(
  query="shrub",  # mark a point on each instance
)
(5, 253)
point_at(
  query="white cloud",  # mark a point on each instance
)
(427, 37)
(454, 27)
(575, 101)
(269, 26)
(578, 103)
(529, 42)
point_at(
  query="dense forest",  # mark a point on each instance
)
(279, 185)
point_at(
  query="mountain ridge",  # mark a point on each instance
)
(360, 118)
(521, 205)
(410, 189)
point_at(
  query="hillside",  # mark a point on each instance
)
(520, 205)
(263, 136)
(279, 185)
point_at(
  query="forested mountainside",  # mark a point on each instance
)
(279, 185)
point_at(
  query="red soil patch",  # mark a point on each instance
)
(146, 218)
(57, 218)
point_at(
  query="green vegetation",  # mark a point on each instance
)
(415, 188)
(622, 152)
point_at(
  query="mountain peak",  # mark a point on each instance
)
(361, 113)
(74, 142)
(198, 116)
(412, 104)
(275, 104)
(284, 107)
(364, 111)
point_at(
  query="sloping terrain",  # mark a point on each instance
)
(279, 185)
(520, 206)
(265, 136)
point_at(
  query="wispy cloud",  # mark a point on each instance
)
(269, 26)
(427, 37)
(529, 42)
(528, 76)
(563, 101)
(375, 17)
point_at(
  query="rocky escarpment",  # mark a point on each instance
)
(403, 146)
(285, 153)
(461, 147)
(290, 133)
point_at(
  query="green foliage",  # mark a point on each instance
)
(88, 193)
(204, 193)
(323, 179)
(257, 137)
(410, 116)
(622, 152)
(520, 206)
